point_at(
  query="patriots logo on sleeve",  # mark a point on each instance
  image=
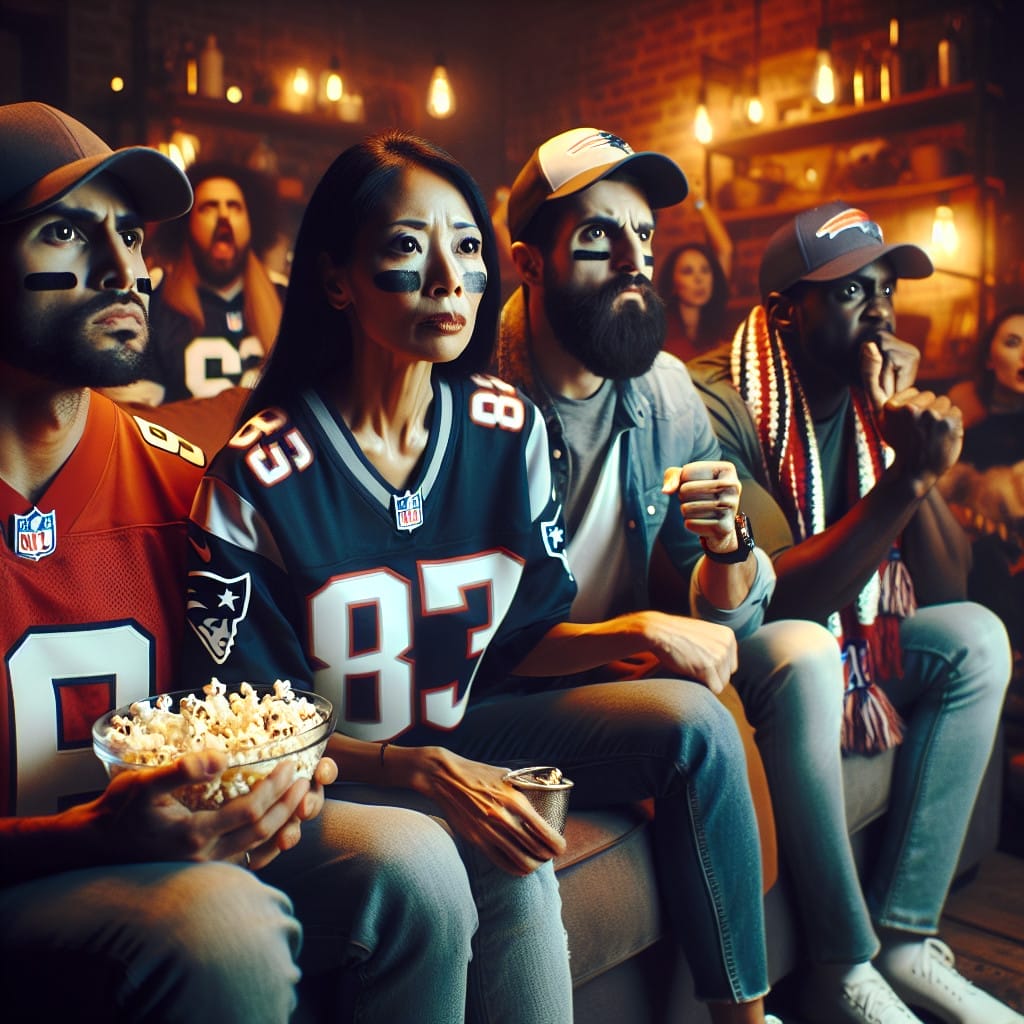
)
(553, 533)
(216, 606)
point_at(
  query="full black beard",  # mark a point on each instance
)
(59, 350)
(612, 343)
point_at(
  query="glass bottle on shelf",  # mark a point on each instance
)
(890, 73)
(211, 70)
(950, 55)
(191, 67)
(865, 77)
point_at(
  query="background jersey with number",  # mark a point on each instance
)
(92, 606)
(305, 565)
(191, 365)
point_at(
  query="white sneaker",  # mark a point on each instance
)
(867, 999)
(933, 983)
(770, 1018)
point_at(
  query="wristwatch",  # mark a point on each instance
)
(745, 544)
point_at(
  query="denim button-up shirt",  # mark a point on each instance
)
(666, 424)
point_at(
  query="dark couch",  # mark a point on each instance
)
(624, 967)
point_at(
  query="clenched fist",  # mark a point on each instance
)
(709, 498)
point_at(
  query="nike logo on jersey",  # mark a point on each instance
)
(201, 548)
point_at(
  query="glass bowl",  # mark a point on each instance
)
(256, 732)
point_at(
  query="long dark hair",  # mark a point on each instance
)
(314, 342)
(711, 322)
(985, 378)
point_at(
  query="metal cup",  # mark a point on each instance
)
(547, 790)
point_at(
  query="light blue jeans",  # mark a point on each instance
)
(161, 943)
(956, 668)
(672, 740)
(402, 922)
(397, 924)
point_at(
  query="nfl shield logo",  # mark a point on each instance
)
(35, 534)
(408, 510)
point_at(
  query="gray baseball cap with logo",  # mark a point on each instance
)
(829, 242)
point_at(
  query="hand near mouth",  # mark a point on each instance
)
(887, 366)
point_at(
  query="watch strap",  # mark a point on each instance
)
(744, 545)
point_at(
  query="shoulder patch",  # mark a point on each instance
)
(276, 448)
(215, 608)
(168, 441)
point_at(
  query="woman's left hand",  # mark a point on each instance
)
(489, 812)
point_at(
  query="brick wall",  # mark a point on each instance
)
(522, 71)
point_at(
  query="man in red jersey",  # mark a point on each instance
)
(131, 900)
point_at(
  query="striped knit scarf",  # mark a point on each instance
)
(868, 629)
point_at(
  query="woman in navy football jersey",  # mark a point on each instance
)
(382, 528)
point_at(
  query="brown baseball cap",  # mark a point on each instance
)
(47, 153)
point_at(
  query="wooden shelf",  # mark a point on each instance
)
(915, 110)
(892, 193)
(257, 119)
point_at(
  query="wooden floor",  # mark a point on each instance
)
(984, 926)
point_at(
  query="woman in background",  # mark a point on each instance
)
(695, 289)
(986, 487)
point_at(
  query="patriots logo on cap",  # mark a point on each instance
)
(598, 140)
(846, 219)
(215, 608)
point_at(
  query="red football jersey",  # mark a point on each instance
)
(92, 580)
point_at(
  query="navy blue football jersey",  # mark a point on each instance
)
(306, 565)
(200, 366)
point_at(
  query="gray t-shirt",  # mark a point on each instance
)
(587, 427)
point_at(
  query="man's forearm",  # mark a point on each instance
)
(726, 586)
(827, 571)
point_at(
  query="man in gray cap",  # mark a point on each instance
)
(839, 454)
(653, 522)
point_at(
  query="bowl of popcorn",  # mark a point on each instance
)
(258, 726)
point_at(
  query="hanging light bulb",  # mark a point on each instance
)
(945, 237)
(755, 109)
(440, 98)
(702, 129)
(299, 93)
(332, 85)
(300, 82)
(824, 76)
